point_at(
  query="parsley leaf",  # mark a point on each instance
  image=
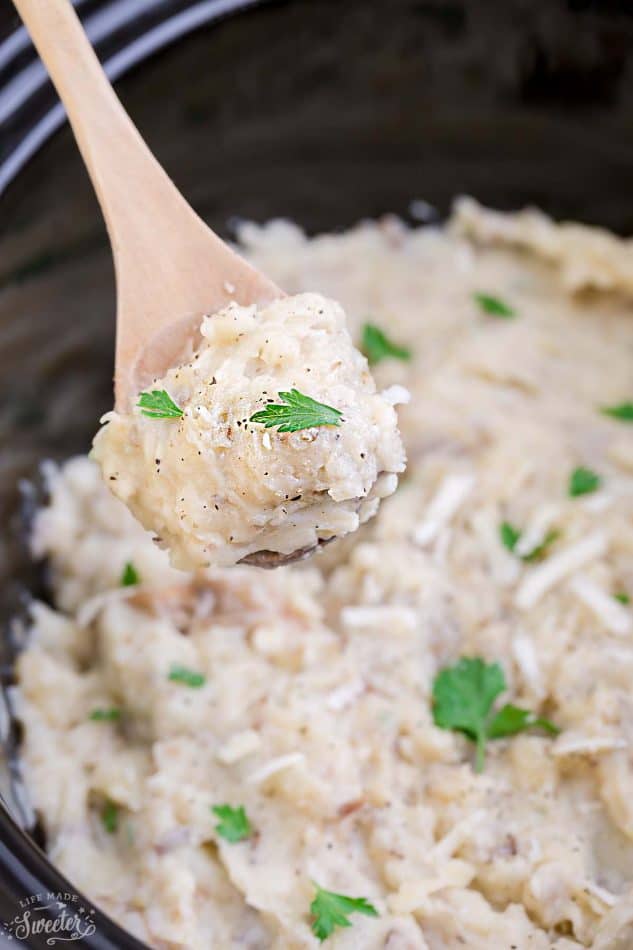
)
(462, 699)
(494, 305)
(463, 696)
(330, 910)
(129, 576)
(299, 412)
(583, 481)
(110, 817)
(512, 719)
(180, 674)
(376, 346)
(509, 535)
(234, 824)
(623, 412)
(158, 405)
(622, 598)
(510, 538)
(105, 715)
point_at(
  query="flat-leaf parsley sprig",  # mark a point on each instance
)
(234, 824)
(105, 714)
(330, 910)
(110, 817)
(190, 678)
(376, 346)
(623, 411)
(158, 404)
(494, 306)
(583, 481)
(297, 412)
(463, 696)
(129, 575)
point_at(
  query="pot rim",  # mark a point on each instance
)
(169, 23)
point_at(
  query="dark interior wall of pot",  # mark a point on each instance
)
(324, 111)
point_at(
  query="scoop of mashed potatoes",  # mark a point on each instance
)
(217, 487)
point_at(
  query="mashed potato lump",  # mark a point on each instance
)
(216, 487)
(304, 695)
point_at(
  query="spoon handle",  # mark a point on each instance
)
(169, 265)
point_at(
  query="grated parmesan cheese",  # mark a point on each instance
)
(275, 765)
(557, 567)
(601, 893)
(238, 746)
(447, 501)
(575, 744)
(380, 615)
(525, 656)
(613, 615)
(447, 846)
(534, 534)
(344, 695)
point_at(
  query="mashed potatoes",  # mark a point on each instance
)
(303, 695)
(216, 487)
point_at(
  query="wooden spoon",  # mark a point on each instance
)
(170, 267)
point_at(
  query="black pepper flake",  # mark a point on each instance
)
(217, 507)
(113, 478)
(362, 455)
(296, 498)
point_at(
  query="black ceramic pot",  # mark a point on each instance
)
(325, 111)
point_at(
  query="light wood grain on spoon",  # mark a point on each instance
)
(170, 267)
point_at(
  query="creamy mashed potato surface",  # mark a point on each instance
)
(304, 695)
(217, 488)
